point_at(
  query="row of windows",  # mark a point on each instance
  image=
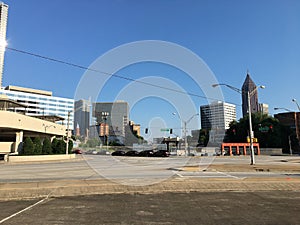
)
(39, 99)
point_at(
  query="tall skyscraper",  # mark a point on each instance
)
(3, 25)
(116, 116)
(216, 118)
(82, 117)
(248, 87)
(217, 115)
(264, 108)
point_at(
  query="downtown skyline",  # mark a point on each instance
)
(230, 37)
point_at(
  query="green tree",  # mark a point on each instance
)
(93, 142)
(37, 146)
(70, 146)
(28, 147)
(203, 137)
(266, 129)
(47, 149)
(61, 147)
(54, 145)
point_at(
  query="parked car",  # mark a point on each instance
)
(146, 153)
(162, 153)
(103, 152)
(132, 153)
(118, 153)
(77, 151)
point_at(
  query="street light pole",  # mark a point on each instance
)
(186, 150)
(104, 116)
(185, 139)
(296, 119)
(294, 100)
(251, 135)
(250, 131)
(68, 124)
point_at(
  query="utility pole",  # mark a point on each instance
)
(250, 131)
(68, 124)
(185, 139)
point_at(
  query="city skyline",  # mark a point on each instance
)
(227, 46)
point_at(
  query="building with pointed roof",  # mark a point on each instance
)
(248, 87)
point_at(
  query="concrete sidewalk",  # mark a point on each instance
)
(102, 186)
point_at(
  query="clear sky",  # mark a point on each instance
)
(230, 36)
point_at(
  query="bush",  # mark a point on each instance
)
(28, 147)
(37, 146)
(46, 149)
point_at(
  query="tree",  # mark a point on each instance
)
(93, 142)
(37, 146)
(28, 147)
(46, 149)
(266, 129)
(61, 147)
(70, 146)
(203, 137)
(54, 145)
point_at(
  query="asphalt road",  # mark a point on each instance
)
(275, 207)
(129, 170)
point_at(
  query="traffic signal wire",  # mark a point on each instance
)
(108, 74)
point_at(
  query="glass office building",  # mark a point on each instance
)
(41, 103)
(3, 26)
(217, 115)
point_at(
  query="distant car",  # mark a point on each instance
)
(103, 152)
(77, 151)
(162, 153)
(118, 153)
(146, 153)
(132, 153)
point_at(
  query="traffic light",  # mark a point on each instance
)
(271, 128)
(171, 131)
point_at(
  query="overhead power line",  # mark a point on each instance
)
(108, 74)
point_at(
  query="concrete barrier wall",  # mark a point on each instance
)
(6, 147)
(271, 151)
(36, 158)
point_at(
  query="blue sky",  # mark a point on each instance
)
(230, 36)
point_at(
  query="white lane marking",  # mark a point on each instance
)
(222, 175)
(23, 210)
(228, 175)
(178, 174)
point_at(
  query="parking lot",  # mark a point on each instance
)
(275, 207)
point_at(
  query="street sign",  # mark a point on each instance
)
(165, 129)
(264, 129)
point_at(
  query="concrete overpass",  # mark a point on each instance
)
(14, 127)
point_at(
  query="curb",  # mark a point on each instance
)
(9, 191)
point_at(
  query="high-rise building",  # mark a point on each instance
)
(3, 26)
(264, 108)
(115, 114)
(217, 115)
(82, 117)
(135, 127)
(41, 103)
(249, 87)
(216, 118)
